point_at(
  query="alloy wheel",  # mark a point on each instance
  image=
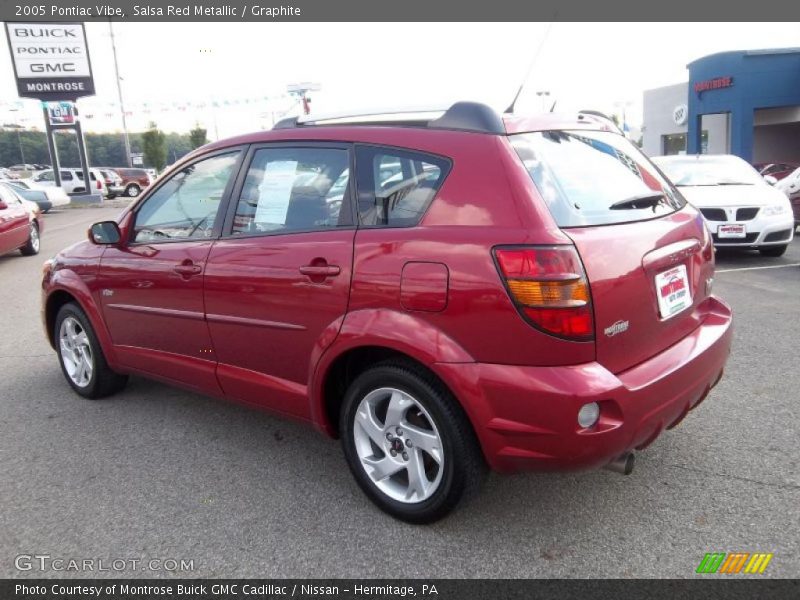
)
(76, 352)
(398, 445)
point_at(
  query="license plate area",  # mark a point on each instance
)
(731, 230)
(673, 291)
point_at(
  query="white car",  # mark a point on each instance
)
(72, 181)
(741, 208)
(790, 185)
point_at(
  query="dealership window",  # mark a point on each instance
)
(294, 189)
(675, 143)
(395, 187)
(186, 205)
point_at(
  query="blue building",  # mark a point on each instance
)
(741, 102)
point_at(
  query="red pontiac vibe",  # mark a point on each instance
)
(443, 294)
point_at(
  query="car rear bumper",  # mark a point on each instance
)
(526, 417)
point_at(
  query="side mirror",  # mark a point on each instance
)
(105, 233)
(770, 179)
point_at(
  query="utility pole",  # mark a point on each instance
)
(18, 126)
(119, 92)
(543, 94)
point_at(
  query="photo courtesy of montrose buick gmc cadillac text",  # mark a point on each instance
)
(443, 292)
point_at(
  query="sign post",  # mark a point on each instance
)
(51, 63)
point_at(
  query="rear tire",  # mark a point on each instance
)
(384, 409)
(773, 251)
(81, 357)
(31, 248)
(133, 190)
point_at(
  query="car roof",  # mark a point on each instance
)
(417, 128)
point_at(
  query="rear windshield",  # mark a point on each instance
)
(582, 174)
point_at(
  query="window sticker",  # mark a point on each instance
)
(275, 191)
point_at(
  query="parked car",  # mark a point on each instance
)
(45, 197)
(114, 184)
(22, 170)
(790, 186)
(134, 180)
(776, 170)
(72, 180)
(21, 223)
(531, 294)
(742, 210)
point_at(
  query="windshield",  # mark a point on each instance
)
(709, 170)
(594, 178)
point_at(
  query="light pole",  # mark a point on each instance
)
(624, 104)
(543, 94)
(119, 93)
(212, 104)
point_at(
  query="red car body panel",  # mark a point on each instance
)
(239, 320)
(15, 222)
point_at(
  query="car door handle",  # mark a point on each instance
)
(188, 270)
(315, 271)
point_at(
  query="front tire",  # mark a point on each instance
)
(408, 443)
(31, 248)
(81, 357)
(773, 251)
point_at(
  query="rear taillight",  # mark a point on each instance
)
(549, 287)
(99, 185)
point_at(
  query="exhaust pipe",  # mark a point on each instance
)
(623, 464)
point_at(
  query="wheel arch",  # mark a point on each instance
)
(66, 287)
(369, 337)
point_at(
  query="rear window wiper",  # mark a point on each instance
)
(645, 200)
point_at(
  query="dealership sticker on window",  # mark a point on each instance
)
(275, 191)
(672, 288)
(731, 230)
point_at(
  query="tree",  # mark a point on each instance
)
(197, 137)
(154, 147)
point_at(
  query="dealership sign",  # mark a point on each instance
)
(680, 114)
(713, 84)
(61, 113)
(51, 60)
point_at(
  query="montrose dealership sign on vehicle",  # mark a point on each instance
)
(51, 60)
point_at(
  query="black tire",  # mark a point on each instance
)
(773, 251)
(133, 190)
(33, 244)
(463, 468)
(103, 381)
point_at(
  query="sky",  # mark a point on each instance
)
(169, 69)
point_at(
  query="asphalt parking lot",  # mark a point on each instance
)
(157, 472)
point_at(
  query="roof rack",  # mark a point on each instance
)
(461, 116)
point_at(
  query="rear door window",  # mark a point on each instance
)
(293, 190)
(582, 174)
(395, 187)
